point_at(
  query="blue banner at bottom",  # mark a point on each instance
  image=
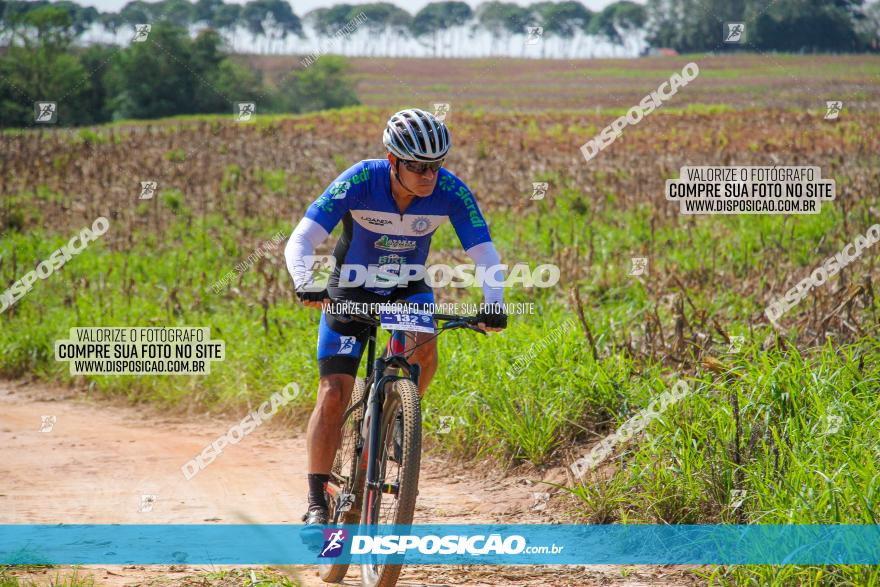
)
(494, 544)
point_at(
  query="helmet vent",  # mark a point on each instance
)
(416, 135)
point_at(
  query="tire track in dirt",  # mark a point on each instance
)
(100, 458)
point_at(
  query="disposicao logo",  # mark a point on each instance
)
(471, 545)
(334, 542)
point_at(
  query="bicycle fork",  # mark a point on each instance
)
(371, 433)
(372, 430)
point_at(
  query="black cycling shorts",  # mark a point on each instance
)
(341, 344)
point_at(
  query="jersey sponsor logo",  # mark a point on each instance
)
(446, 183)
(468, 200)
(376, 221)
(361, 177)
(324, 203)
(339, 189)
(385, 243)
(346, 345)
(395, 225)
(420, 225)
(391, 259)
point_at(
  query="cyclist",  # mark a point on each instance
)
(390, 209)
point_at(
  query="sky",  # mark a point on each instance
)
(300, 7)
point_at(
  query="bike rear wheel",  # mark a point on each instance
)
(395, 503)
(342, 476)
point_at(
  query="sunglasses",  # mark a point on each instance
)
(417, 167)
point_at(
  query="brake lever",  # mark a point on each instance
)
(461, 324)
(476, 328)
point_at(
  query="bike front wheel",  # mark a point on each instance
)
(395, 501)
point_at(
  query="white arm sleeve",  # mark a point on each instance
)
(307, 235)
(484, 255)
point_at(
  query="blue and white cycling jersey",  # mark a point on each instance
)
(376, 233)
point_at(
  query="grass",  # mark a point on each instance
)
(756, 422)
(805, 458)
(72, 580)
(270, 346)
(97, 134)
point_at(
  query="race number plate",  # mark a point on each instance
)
(412, 321)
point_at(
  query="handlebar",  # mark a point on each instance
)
(451, 321)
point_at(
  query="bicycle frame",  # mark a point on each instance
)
(374, 398)
(373, 401)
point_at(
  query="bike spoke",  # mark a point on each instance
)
(383, 502)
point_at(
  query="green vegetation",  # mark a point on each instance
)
(322, 85)
(788, 423)
(169, 74)
(72, 580)
(828, 25)
(236, 577)
(170, 283)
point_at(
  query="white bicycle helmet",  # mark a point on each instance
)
(416, 135)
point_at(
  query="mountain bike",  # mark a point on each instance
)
(375, 475)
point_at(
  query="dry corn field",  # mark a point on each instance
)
(274, 168)
(754, 425)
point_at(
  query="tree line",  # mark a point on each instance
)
(683, 25)
(186, 75)
(195, 72)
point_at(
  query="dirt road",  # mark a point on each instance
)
(67, 458)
